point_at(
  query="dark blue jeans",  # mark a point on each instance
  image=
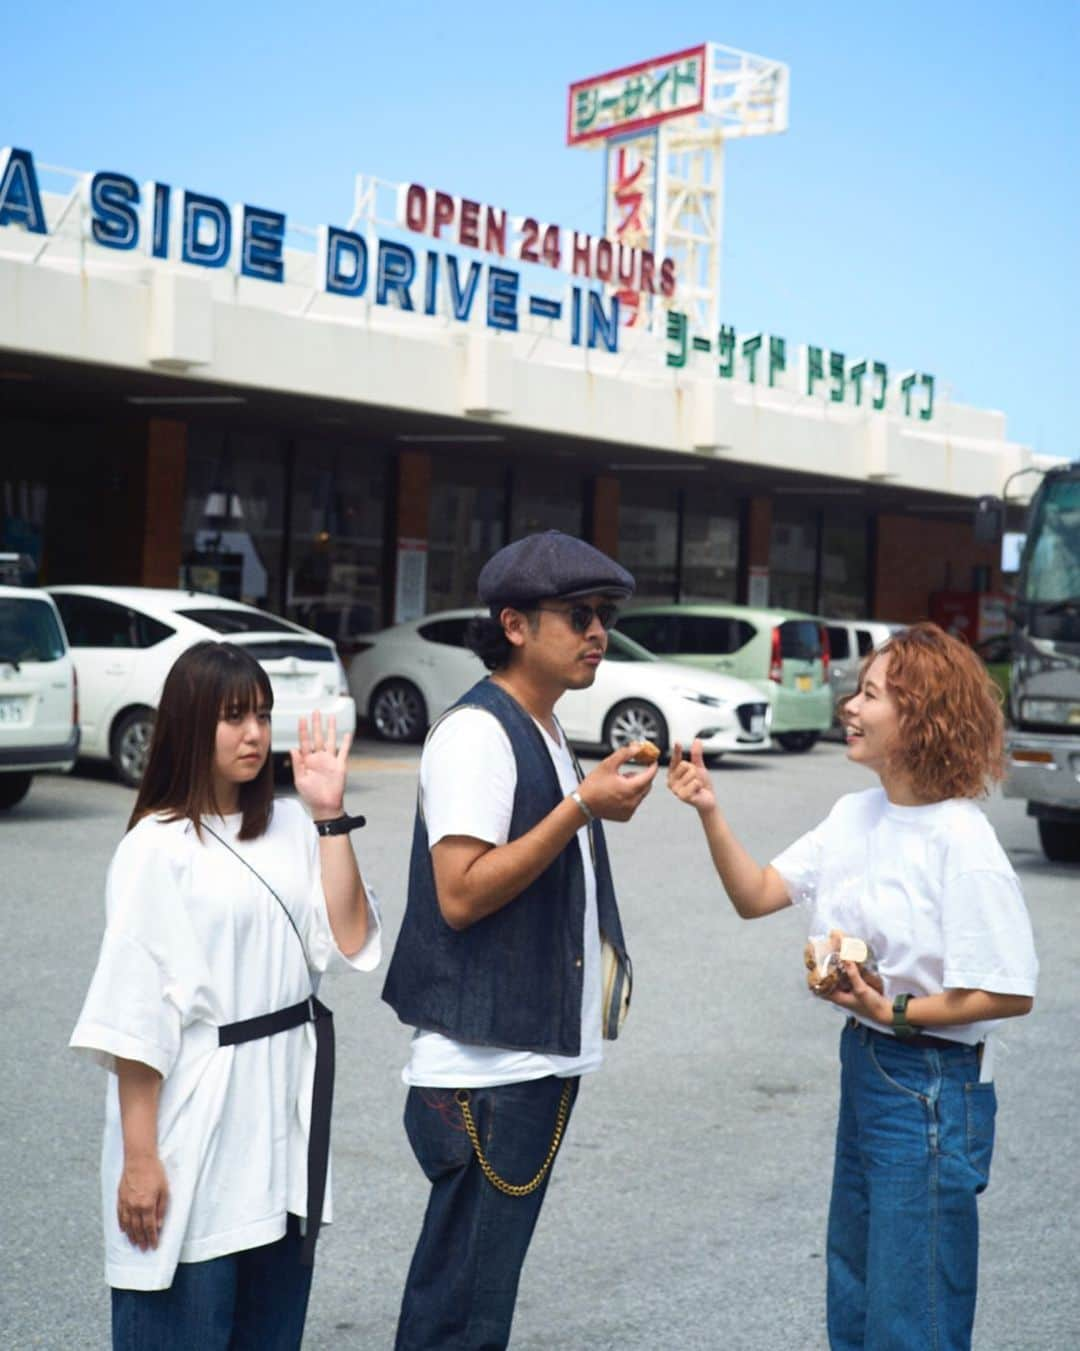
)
(463, 1280)
(254, 1300)
(913, 1147)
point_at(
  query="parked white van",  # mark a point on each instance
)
(39, 704)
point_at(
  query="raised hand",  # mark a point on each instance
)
(320, 766)
(613, 796)
(689, 780)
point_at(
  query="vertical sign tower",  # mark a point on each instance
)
(662, 125)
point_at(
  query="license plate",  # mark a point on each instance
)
(757, 724)
(804, 683)
(11, 709)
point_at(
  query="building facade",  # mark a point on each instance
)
(342, 424)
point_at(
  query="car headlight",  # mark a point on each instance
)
(696, 697)
(1061, 712)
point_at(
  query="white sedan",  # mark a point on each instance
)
(124, 639)
(406, 676)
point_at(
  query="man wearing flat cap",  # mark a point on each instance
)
(511, 914)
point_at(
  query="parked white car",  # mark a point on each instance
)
(39, 701)
(409, 674)
(124, 639)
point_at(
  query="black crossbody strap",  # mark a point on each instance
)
(255, 873)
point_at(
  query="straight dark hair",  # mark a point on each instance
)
(205, 683)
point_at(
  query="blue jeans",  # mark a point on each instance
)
(462, 1284)
(254, 1300)
(913, 1147)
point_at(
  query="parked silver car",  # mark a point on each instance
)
(849, 641)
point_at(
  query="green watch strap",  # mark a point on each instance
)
(900, 1025)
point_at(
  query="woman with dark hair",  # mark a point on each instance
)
(224, 908)
(914, 869)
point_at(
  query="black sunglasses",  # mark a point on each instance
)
(580, 617)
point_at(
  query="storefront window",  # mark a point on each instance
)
(234, 514)
(468, 512)
(793, 558)
(710, 551)
(551, 498)
(338, 511)
(648, 538)
(23, 493)
(843, 568)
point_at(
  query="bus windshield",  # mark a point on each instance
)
(1052, 556)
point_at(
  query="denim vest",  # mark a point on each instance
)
(514, 979)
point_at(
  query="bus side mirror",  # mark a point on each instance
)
(1012, 550)
(989, 520)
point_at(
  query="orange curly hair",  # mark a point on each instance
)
(952, 732)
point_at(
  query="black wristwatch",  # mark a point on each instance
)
(340, 825)
(900, 1025)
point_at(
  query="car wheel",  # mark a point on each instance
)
(635, 720)
(13, 788)
(129, 746)
(798, 741)
(1060, 841)
(397, 711)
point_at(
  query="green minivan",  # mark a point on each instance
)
(784, 653)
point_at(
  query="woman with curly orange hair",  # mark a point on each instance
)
(915, 870)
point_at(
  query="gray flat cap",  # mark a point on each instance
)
(551, 564)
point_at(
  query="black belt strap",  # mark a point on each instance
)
(924, 1040)
(310, 1010)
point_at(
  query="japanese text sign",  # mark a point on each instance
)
(636, 96)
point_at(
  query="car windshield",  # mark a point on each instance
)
(237, 621)
(621, 648)
(29, 631)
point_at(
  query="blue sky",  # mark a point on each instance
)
(922, 209)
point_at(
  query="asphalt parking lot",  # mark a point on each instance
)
(687, 1209)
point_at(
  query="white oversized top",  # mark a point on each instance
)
(193, 941)
(930, 888)
(468, 777)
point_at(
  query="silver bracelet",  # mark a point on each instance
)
(586, 810)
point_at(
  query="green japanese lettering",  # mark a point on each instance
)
(836, 372)
(676, 333)
(855, 375)
(927, 382)
(815, 368)
(725, 346)
(777, 358)
(750, 348)
(907, 380)
(881, 375)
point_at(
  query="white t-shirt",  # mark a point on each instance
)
(930, 888)
(193, 941)
(468, 775)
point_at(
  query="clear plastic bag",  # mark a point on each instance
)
(825, 954)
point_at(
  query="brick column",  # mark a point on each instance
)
(407, 546)
(603, 516)
(165, 460)
(755, 547)
(916, 557)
